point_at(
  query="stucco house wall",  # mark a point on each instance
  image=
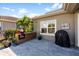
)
(68, 14)
(77, 28)
(60, 19)
(8, 25)
(8, 22)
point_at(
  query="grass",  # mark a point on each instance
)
(1, 45)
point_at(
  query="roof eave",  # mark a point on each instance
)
(66, 8)
(59, 11)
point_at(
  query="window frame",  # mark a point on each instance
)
(47, 23)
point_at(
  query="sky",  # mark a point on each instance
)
(28, 9)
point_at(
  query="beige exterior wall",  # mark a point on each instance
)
(7, 22)
(76, 41)
(8, 25)
(61, 19)
(76, 29)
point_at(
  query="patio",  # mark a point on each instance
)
(43, 48)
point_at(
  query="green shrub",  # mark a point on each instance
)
(9, 34)
(16, 39)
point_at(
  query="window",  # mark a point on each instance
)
(43, 30)
(48, 27)
(0, 26)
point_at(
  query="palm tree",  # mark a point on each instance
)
(30, 27)
(23, 23)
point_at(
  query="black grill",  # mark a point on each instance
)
(62, 38)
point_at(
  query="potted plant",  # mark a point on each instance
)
(6, 43)
(40, 37)
(9, 36)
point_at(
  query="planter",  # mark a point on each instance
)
(28, 36)
(39, 37)
(6, 43)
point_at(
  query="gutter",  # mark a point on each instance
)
(7, 21)
(49, 15)
(56, 12)
(67, 8)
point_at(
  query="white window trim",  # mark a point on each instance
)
(50, 34)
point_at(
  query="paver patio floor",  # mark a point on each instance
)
(42, 48)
